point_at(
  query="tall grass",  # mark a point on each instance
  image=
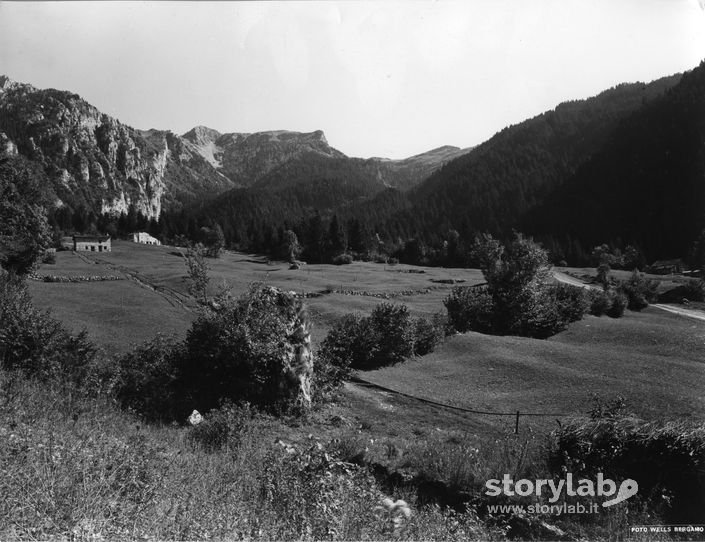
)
(80, 468)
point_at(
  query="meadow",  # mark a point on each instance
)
(652, 358)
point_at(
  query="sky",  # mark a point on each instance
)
(382, 78)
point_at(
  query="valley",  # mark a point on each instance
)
(633, 356)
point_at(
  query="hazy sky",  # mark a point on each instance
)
(380, 78)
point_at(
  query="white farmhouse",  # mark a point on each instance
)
(145, 238)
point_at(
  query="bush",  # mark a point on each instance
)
(610, 302)
(242, 350)
(666, 460)
(572, 301)
(544, 311)
(520, 297)
(392, 330)
(348, 343)
(538, 314)
(639, 291)
(343, 259)
(600, 302)
(32, 341)
(386, 337)
(618, 303)
(428, 333)
(146, 380)
(470, 309)
(255, 349)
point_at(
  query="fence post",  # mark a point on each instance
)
(516, 425)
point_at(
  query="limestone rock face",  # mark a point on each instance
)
(297, 364)
(95, 161)
(298, 360)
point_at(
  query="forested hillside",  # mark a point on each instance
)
(645, 186)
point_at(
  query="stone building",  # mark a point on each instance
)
(145, 238)
(667, 267)
(92, 243)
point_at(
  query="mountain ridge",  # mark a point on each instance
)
(95, 162)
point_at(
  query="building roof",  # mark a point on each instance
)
(662, 263)
(91, 238)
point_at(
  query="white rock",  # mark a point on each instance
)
(195, 418)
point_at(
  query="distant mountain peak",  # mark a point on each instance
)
(201, 134)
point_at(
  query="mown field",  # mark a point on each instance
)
(654, 359)
(159, 301)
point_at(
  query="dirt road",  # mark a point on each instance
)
(688, 313)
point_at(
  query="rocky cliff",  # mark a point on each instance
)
(95, 161)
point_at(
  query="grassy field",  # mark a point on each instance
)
(653, 359)
(158, 289)
(117, 314)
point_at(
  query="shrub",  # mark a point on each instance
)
(343, 259)
(428, 333)
(393, 334)
(241, 351)
(348, 343)
(618, 303)
(470, 309)
(32, 341)
(519, 298)
(572, 301)
(664, 459)
(610, 302)
(603, 275)
(639, 291)
(254, 349)
(388, 336)
(600, 302)
(146, 380)
(542, 311)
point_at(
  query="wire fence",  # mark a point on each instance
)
(516, 414)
